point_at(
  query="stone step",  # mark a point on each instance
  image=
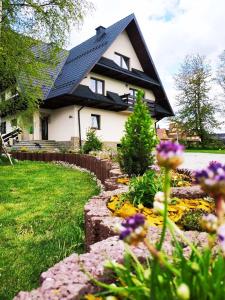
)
(46, 145)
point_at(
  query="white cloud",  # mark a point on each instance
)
(171, 28)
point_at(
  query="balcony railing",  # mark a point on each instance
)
(130, 100)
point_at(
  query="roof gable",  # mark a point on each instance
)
(85, 56)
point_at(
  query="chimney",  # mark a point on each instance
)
(100, 30)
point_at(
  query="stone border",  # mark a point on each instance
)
(67, 280)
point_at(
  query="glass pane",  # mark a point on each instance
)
(94, 122)
(125, 64)
(93, 85)
(132, 92)
(117, 59)
(99, 87)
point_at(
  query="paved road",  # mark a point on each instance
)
(195, 161)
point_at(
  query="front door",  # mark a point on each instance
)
(44, 128)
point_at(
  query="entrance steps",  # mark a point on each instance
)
(36, 145)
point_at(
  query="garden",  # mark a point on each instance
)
(157, 232)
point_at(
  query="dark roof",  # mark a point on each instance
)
(84, 57)
(84, 96)
(109, 63)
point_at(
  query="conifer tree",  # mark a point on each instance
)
(135, 153)
(92, 142)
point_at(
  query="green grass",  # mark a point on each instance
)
(206, 151)
(41, 220)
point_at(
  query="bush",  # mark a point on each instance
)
(135, 152)
(191, 220)
(92, 143)
(142, 189)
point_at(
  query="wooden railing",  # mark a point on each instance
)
(130, 100)
(11, 135)
(101, 168)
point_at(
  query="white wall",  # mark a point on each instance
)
(116, 86)
(111, 123)
(122, 45)
(62, 127)
(62, 124)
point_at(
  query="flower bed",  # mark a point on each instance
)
(67, 280)
(176, 210)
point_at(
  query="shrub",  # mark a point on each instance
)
(135, 152)
(24, 149)
(191, 220)
(92, 143)
(142, 189)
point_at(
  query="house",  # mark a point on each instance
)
(175, 133)
(95, 87)
(162, 134)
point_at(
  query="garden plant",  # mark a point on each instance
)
(191, 272)
(135, 152)
(92, 142)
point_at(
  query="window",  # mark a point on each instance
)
(97, 86)
(133, 93)
(95, 121)
(122, 61)
(3, 127)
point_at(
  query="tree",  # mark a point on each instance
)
(196, 113)
(221, 72)
(135, 153)
(92, 142)
(32, 34)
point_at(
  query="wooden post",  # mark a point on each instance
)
(2, 144)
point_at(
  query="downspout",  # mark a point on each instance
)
(79, 126)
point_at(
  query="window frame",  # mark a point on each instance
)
(98, 118)
(133, 92)
(126, 58)
(96, 85)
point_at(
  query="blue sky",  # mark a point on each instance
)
(171, 28)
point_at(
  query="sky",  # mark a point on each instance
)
(171, 28)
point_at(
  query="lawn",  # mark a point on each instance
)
(206, 151)
(41, 220)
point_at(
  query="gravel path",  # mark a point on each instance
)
(195, 161)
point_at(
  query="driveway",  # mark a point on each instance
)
(196, 161)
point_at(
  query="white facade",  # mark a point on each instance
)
(63, 122)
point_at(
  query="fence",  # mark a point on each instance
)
(99, 167)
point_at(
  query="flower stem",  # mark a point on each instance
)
(160, 257)
(174, 228)
(220, 208)
(167, 195)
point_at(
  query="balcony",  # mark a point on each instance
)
(130, 101)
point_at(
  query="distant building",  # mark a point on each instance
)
(174, 133)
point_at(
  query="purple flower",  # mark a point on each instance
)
(155, 168)
(212, 179)
(133, 229)
(169, 154)
(209, 223)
